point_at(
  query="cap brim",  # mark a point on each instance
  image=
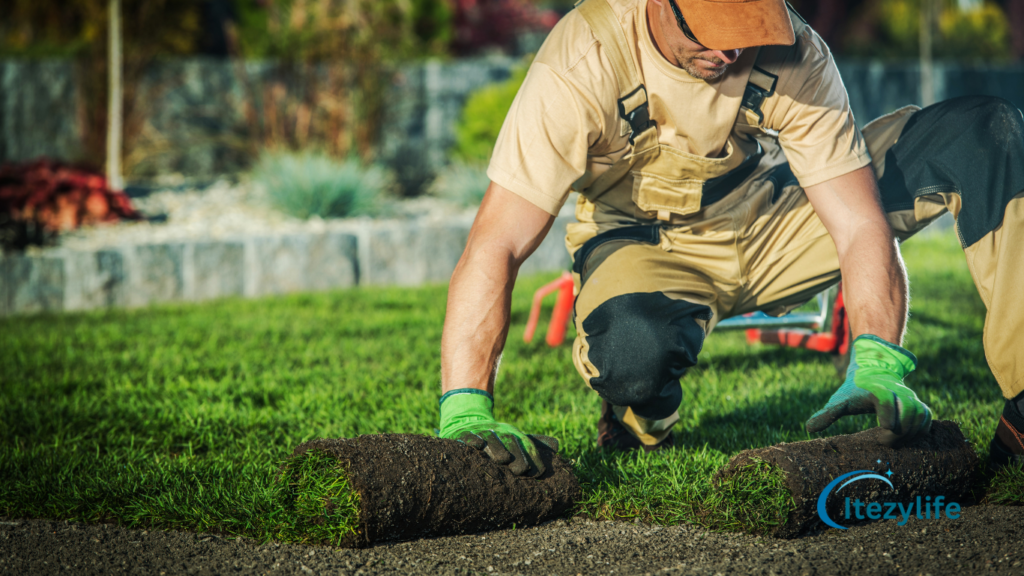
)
(727, 25)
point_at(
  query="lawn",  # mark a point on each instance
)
(179, 416)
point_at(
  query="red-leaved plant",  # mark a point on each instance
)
(41, 198)
(494, 23)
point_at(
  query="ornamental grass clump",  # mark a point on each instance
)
(463, 183)
(306, 184)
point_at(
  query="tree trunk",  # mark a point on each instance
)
(115, 116)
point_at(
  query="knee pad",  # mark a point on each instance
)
(641, 344)
(972, 146)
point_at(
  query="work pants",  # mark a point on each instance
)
(648, 294)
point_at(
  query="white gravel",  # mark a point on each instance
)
(228, 211)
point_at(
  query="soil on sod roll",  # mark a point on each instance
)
(412, 486)
(940, 463)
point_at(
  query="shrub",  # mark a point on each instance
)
(40, 198)
(891, 29)
(483, 116)
(462, 183)
(308, 184)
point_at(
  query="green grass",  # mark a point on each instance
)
(324, 507)
(181, 416)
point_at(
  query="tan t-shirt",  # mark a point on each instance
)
(563, 127)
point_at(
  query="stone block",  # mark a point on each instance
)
(333, 261)
(280, 264)
(33, 283)
(442, 248)
(551, 255)
(218, 270)
(156, 273)
(94, 280)
(410, 254)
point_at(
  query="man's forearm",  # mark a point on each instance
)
(506, 231)
(477, 319)
(874, 279)
(875, 285)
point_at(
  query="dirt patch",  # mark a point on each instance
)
(941, 462)
(985, 539)
(412, 486)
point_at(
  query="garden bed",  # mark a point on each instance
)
(228, 241)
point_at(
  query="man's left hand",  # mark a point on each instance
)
(874, 383)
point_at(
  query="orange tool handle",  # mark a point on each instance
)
(538, 296)
(560, 316)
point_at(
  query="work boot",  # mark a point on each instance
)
(612, 435)
(1007, 446)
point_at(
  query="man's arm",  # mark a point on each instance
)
(875, 292)
(874, 279)
(506, 231)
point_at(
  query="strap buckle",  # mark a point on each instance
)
(639, 115)
(760, 87)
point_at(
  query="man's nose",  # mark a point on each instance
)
(728, 56)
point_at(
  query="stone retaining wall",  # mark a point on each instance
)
(196, 126)
(379, 253)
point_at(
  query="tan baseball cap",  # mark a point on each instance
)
(730, 24)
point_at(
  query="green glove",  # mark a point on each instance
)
(874, 383)
(467, 416)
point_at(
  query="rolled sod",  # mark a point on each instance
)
(405, 486)
(941, 463)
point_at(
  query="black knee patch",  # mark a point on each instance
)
(641, 345)
(973, 146)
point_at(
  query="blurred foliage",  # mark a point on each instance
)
(483, 115)
(319, 30)
(336, 60)
(309, 183)
(980, 33)
(78, 29)
(891, 29)
(463, 183)
(46, 28)
(481, 25)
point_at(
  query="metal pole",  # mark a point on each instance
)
(926, 40)
(115, 103)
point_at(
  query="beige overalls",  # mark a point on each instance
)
(757, 243)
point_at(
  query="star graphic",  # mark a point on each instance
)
(889, 473)
(879, 461)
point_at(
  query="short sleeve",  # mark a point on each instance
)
(812, 115)
(542, 147)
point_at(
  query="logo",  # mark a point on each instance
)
(927, 510)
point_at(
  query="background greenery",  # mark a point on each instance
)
(179, 416)
(310, 183)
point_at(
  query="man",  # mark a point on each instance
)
(720, 172)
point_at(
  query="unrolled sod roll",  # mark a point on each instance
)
(412, 486)
(940, 463)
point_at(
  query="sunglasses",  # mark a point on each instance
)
(682, 23)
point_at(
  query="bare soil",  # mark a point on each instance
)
(984, 540)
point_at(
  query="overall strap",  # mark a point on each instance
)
(764, 75)
(632, 93)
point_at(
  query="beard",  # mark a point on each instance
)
(688, 63)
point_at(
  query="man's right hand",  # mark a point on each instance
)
(467, 416)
